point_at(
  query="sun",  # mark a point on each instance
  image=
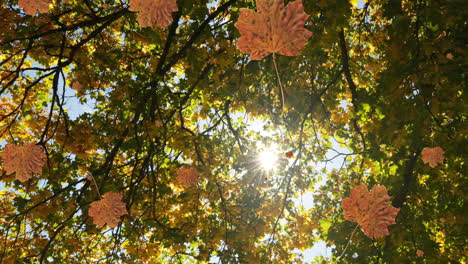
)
(268, 158)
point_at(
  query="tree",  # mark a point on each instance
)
(167, 162)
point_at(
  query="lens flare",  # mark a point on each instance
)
(268, 159)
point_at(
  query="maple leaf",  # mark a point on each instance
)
(24, 160)
(108, 210)
(433, 156)
(77, 86)
(274, 28)
(154, 11)
(187, 176)
(289, 154)
(31, 6)
(370, 210)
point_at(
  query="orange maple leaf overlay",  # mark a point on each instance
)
(370, 210)
(154, 11)
(187, 176)
(108, 210)
(77, 86)
(433, 156)
(274, 28)
(31, 6)
(24, 160)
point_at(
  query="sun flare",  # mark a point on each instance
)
(268, 158)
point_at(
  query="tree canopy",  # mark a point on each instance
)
(228, 131)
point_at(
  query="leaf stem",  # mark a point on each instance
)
(349, 241)
(279, 81)
(95, 184)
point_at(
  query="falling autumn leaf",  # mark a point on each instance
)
(274, 28)
(9, 260)
(152, 12)
(24, 160)
(433, 156)
(31, 6)
(370, 210)
(77, 86)
(108, 210)
(419, 253)
(187, 176)
(289, 154)
(449, 56)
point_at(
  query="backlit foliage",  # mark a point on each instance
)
(118, 96)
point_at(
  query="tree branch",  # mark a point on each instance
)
(408, 178)
(352, 87)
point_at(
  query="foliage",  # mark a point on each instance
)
(373, 86)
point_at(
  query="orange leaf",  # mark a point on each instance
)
(420, 253)
(433, 156)
(77, 86)
(187, 177)
(24, 160)
(154, 11)
(31, 6)
(370, 210)
(274, 28)
(108, 210)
